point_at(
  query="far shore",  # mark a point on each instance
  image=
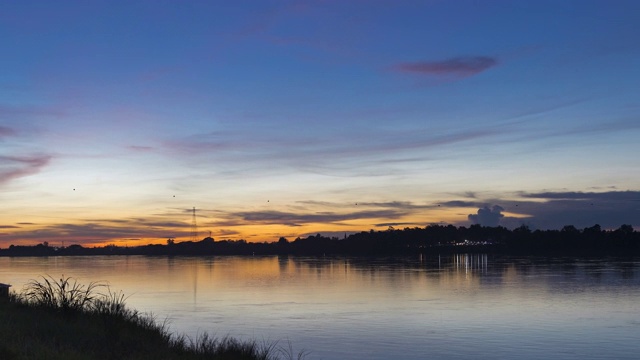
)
(432, 239)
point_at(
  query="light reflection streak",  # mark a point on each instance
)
(471, 263)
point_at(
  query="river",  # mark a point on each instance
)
(440, 307)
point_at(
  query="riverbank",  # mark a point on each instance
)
(85, 325)
(430, 240)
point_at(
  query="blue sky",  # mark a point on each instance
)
(285, 118)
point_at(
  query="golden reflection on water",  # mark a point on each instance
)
(206, 276)
(260, 278)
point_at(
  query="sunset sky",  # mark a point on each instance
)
(288, 118)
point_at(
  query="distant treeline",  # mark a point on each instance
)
(433, 239)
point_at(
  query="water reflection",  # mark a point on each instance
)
(470, 262)
(455, 306)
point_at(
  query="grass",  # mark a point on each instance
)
(62, 319)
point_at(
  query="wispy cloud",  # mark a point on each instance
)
(13, 167)
(94, 231)
(586, 196)
(628, 124)
(225, 232)
(458, 66)
(140, 148)
(459, 203)
(403, 206)
(400, 205)
(299, 219)
(317, 153)
(6, 132)
(7, 111)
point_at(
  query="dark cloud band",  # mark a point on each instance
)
(459, 66)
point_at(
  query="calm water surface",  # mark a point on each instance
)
(453, 307)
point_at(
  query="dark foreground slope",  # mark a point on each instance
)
(106, 330)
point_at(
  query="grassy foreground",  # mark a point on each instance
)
(62, 319)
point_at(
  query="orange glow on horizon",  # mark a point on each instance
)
(120, 231)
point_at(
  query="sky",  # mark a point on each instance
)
(290, 118)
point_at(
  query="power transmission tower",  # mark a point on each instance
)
(194, 227)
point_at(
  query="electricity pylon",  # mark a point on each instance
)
(194, 227)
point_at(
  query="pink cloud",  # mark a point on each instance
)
(5, 131)
(18, 111)
(140, 148)
(13, 167)
(459, 66)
